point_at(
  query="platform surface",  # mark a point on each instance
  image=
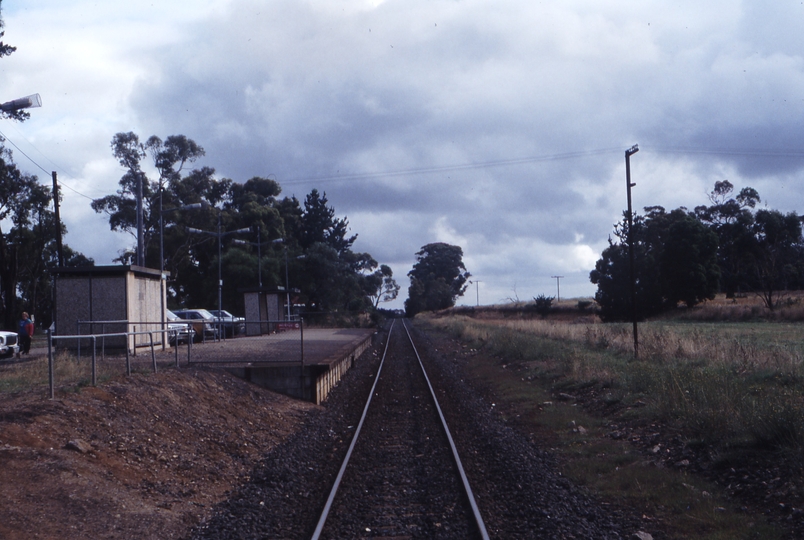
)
(322, 346)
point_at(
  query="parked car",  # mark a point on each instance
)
(8, 344)
(232, 325)
(178, 331)
(202, 320)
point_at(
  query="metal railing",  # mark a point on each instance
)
(163, 328)
(53, 340)
(286, 344)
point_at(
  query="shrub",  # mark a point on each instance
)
(543, 304)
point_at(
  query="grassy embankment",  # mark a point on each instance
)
(725, 386)
(70, 372)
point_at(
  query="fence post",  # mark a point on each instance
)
(128, 358)
(153, 354)
(50, 370)
(94, 363)
(134, 340)
(189, 348)
(301, 368)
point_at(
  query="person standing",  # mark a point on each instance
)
(24, 333)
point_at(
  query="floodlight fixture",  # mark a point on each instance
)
(633, 150)
(27, 102)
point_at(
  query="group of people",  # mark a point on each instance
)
(25, 331)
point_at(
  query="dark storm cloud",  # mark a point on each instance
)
(500, 126)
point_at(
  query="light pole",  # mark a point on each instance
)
(477, 290)
(219, 235)
(287, 282)
(162, 212)
(628, 153)
(258, 243)
(162, 277)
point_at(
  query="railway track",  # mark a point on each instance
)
(402, 476)
(401, 480)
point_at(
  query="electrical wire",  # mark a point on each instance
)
(485, 164)
(450, 168)
(61, 183)
(747, 152)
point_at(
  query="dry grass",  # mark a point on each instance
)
(530, 364)
(724, 381)
(71, 372)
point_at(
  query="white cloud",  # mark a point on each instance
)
(433, 102)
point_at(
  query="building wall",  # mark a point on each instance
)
(74, 297)
(253, 313)
(109, 293)
(144, 306)
(263, 307)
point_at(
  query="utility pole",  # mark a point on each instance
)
(56, 198)
(628, 153)
(140, 222)
(558, 288)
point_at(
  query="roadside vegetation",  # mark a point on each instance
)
(725, 382)
(732, 391)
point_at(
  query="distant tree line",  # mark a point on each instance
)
(300, 244)
(687, 257)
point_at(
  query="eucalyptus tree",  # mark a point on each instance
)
(437, 279)
(675, 259)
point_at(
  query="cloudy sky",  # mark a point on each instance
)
(496, 125)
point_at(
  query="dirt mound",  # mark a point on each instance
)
(138, 457)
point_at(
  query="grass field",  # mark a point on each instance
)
(731, 387)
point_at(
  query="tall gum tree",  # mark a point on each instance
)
(437, 279)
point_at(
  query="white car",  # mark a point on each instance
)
(178, 332)
(203, 322)
(9, 345)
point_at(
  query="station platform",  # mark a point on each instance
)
(301, 363)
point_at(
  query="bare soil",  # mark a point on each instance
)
(145, 456)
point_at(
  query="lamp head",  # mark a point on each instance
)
(27, 102)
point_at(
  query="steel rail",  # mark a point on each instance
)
(481, 526)
(322, 520)
(469, 494)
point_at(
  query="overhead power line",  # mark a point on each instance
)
(450, 168)
(746, 152)
(5, 137)
(542, 158)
